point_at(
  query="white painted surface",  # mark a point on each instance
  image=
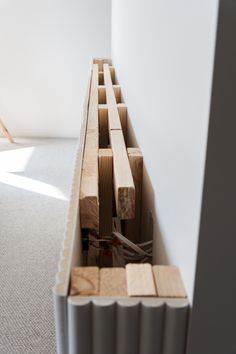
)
(163, 52)
(46, 47)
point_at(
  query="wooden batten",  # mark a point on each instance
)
(169, 282)
(89, 199)
(140, 280)
(103, 123)
(123, 181)
(102, 99)
(105, 192)
(100, 78)
(113, 282)
(122, 110)
(113, 75)
(133, 226)
(84, 281)
(103, 126)
(101, 61)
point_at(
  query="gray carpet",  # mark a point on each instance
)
(35, 182)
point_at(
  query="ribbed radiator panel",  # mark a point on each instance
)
(127, 326)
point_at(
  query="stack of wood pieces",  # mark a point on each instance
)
(109, 167)
(136, 280)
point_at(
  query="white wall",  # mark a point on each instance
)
(163, 51)
(45, 51)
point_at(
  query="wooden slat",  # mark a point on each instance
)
(140, 280)
(113, 282)
(122, 110)
(93, 103)
(112, 73)
(168, 281)
(105, 192)
(117, 92)
(101, 61)
(103, 122)
(84, 281)
(123, 181)
(103, 126)
(113, 115)
(100, 78)
(133, 226)
(102, 99)
(89, 205)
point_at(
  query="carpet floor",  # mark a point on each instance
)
(35, 183)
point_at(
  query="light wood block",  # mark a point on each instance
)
(123, 181)
(105, 192)
(122, 110)
(133, 226)
(84, 281)
(112, 73)
(100, 78)
(93, 103)
(101, 61)
(89, 198)
(113, 115)
(113, 282)
(103, 126)
(168, 281)
(102, 94)
(140, 280)
(103, 122)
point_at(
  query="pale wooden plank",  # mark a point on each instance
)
(113, 75)
(103, 126)
(93, 103)
(122, 110)
(113, 282)
(168, 281)
(124, 188)
(101, 61)
(133, 226)
(117, 92)
(105, 192)
(100, 78)
(84, 281)
(102, 93)
(140, 280)
(103, 122)
(89, 205)
(113, 115)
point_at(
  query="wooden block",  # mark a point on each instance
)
(89, 199)
(101, 61)
(113, 115)
(112, 73)
(123, 181)
(93, 102)
(103, 122)
(140, 280)
(84, 281)
(122, 110)
(105, 192)
(102, 94)
(133, 226)
(113, 282)
(168, 281)
(103, 126)
(100, 78)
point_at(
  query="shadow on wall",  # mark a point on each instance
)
(149, 221)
